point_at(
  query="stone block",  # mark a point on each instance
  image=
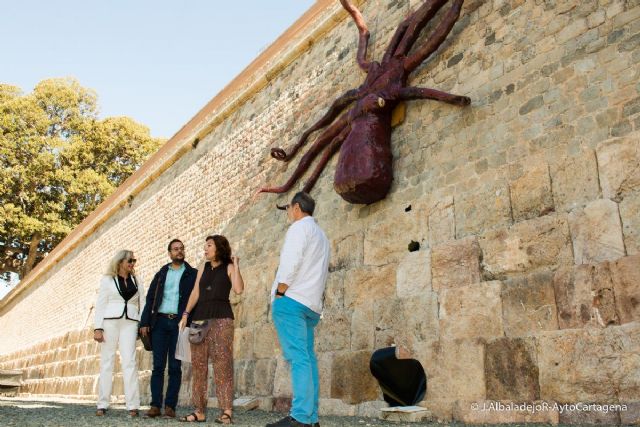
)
(347, 252)
(244, 380)
(529, 306)
(243, 343)
(281, 404)
(472, 311)
(455, 370)
(325, 362)
(630, 416)
(385, 321)
(625, 274)
(590, 365)
(419, 415)
(482, 210)
(351, 379)
(539, 242)
(511, 369)
(619, 167)
(585, 296)
(629, 209)
(334, 290)
(265, 341)
(386, 241)
(264, 375)
(416, 322)
(413, 276)
(282, 379)
(333, 333)
(336, 407)
(441, 222)
(582, 417)
(503, 412)
(368, 283)
(531, 193)
(362, 328)
(370, 409)
(455, 263)
(596, 232)
(574, 181)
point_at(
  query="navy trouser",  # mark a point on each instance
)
(164, 337)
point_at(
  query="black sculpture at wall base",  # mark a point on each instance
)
(363, 133)
(403, 381)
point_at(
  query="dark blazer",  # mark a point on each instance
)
(187, 281)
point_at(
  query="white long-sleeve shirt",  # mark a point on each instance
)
(304, 263)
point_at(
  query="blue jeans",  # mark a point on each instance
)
(164, 337)
(295, 324)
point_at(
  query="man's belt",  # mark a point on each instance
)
(168, 316)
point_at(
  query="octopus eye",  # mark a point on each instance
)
(381, 102)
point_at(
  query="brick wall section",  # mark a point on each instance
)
(525, 204)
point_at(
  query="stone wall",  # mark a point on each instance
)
(525, 204)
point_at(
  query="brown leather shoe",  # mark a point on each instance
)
(152, 412)
(169, 412)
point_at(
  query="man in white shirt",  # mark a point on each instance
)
(296, 296)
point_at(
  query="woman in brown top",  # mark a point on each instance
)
(215, 279)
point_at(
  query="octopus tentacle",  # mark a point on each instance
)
(363, 42)
(335, 109)
(416, 24)
(395, 41)
(323, 140)
(326, 156)
(437, 37)
(410, 93)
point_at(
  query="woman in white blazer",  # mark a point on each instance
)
(118, 309)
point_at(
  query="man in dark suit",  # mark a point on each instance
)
(166, 300)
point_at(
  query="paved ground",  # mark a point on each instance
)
(20, 413)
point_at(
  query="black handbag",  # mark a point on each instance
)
(198, 330)
(146, 340)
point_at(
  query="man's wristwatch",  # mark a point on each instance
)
(280, 294)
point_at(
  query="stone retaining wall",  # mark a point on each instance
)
(525, 204)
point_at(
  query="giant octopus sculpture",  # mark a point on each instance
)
(363, 134)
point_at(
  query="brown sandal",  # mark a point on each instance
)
(224, 418)
(195, 419)
(100, 412)
(133, 413)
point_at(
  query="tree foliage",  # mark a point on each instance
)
(58, 162)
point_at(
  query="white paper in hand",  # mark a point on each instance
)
(183, 347)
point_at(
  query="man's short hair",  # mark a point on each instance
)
(172, 242)
(305, 201)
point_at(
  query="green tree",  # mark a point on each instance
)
(58, 162)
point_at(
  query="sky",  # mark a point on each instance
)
(158, 62)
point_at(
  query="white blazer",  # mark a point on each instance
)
(111, 305)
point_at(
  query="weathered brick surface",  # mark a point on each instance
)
(538, 174)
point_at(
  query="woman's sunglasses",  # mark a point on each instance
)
(132, 260)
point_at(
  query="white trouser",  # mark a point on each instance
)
(125, 333)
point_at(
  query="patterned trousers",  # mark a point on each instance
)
(217, 345)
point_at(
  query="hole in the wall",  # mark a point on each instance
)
(195, 142)
(413, 246)
(407, 209)
(403, 381)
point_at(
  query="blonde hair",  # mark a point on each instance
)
(114, 264)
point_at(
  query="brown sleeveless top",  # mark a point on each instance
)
(215, 286)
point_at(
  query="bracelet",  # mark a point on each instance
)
(186, 313)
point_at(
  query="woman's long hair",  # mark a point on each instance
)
(114, 264)
(223, 249)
